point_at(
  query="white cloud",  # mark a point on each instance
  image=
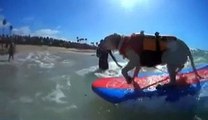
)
(46, 32)
(1, 24)
(25, 30)
(1, 17)
(1, 21)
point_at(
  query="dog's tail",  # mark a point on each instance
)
(188, 51)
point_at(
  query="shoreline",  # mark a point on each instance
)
(34, 48)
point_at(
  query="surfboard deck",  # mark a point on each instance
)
(116, 89)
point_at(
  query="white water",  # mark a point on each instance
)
(44, 85)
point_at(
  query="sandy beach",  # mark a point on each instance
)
(32, 48)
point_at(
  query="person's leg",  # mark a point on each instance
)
(100, 63)
(9, 58)
(12, 56)
(103, 64)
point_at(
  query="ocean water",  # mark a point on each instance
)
(57, 86)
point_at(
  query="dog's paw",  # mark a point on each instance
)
(200, 77)
(136, 85)
(129, 80)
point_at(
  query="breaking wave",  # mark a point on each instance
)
(41, 59)
(56, 96)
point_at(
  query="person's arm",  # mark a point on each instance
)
(114, 59)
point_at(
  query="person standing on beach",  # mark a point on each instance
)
(11, 51)
(102, 54)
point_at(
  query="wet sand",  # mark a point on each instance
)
(32, 48)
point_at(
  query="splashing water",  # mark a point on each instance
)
(44, 85)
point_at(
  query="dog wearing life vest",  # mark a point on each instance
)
(148, 51)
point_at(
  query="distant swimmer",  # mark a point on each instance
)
(102, 54)
(11, 51)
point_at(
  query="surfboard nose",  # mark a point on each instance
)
(99, 83)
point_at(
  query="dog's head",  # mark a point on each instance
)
(111, 42)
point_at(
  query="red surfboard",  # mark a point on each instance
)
(116, 89)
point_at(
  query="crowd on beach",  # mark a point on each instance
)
(8, 43)
(35, 40)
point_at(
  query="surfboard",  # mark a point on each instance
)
(149, 84)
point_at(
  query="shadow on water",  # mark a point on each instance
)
(143, 110)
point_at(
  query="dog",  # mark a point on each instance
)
(150, 50)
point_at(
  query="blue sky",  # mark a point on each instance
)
(94, 19)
